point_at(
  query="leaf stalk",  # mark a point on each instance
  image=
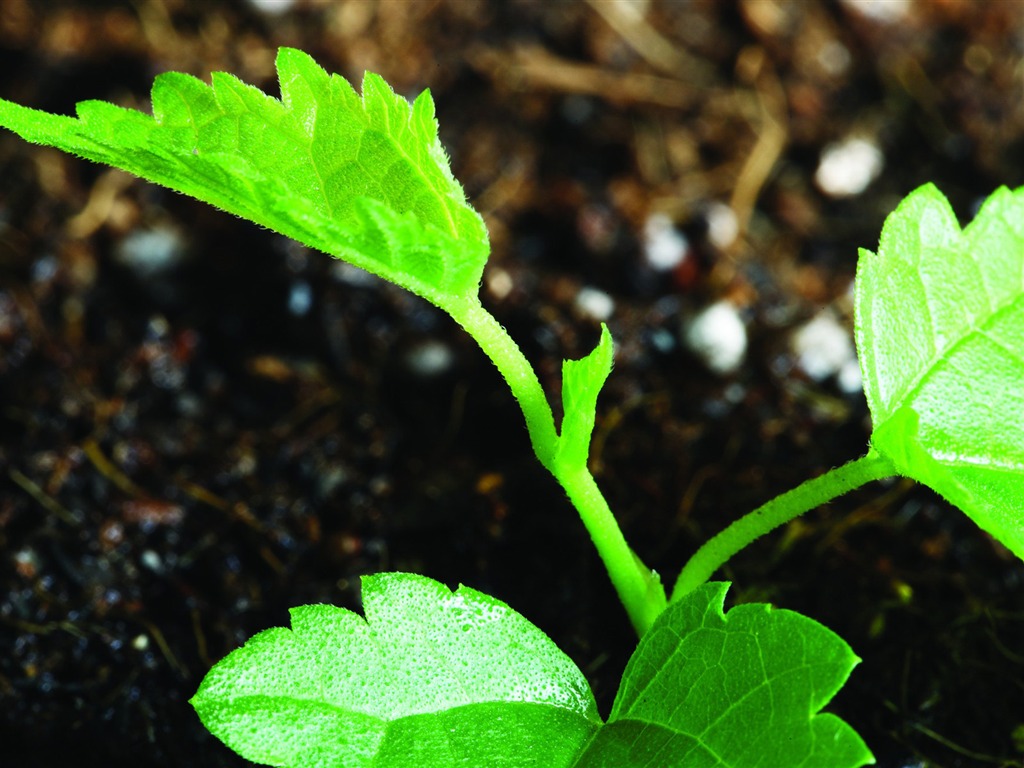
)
(780, 510)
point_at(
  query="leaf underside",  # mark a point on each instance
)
(940, 333)
(433, 678)
(361, 178)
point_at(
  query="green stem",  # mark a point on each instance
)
(517, 372)
(810, 494)
(638, 587)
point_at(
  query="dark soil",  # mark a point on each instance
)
(202, 424)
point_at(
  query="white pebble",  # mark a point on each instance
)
(151, 252)
(662, 340)
(431, 358)
(849, 379)
(26, 561)
(151, 560)
(300, 298)
(499, 283)
(834, 58)
(665, 246)
(349, 274)
(847, 167)
(718, 337)
(823, 347)
(272, 7)
(885, 11)
(723, 227)
(594, 303)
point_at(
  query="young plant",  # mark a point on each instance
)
(432, 677)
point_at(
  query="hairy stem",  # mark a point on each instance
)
(638, 588)
(517, 372)
(791, 504)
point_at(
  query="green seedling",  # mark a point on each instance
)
(433, 678)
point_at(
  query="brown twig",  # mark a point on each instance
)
(771, 140)
(46, 501)
(532, 66)
(657, 50)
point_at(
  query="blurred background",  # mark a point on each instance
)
(203, 423)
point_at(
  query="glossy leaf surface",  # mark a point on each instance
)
(709, 689)
(940, 333)
(362, 178)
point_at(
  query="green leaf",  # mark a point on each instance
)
(431, 678)
(940, 333)
(581, 382)
(706, 689)
(364, 179)
(434, 679)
